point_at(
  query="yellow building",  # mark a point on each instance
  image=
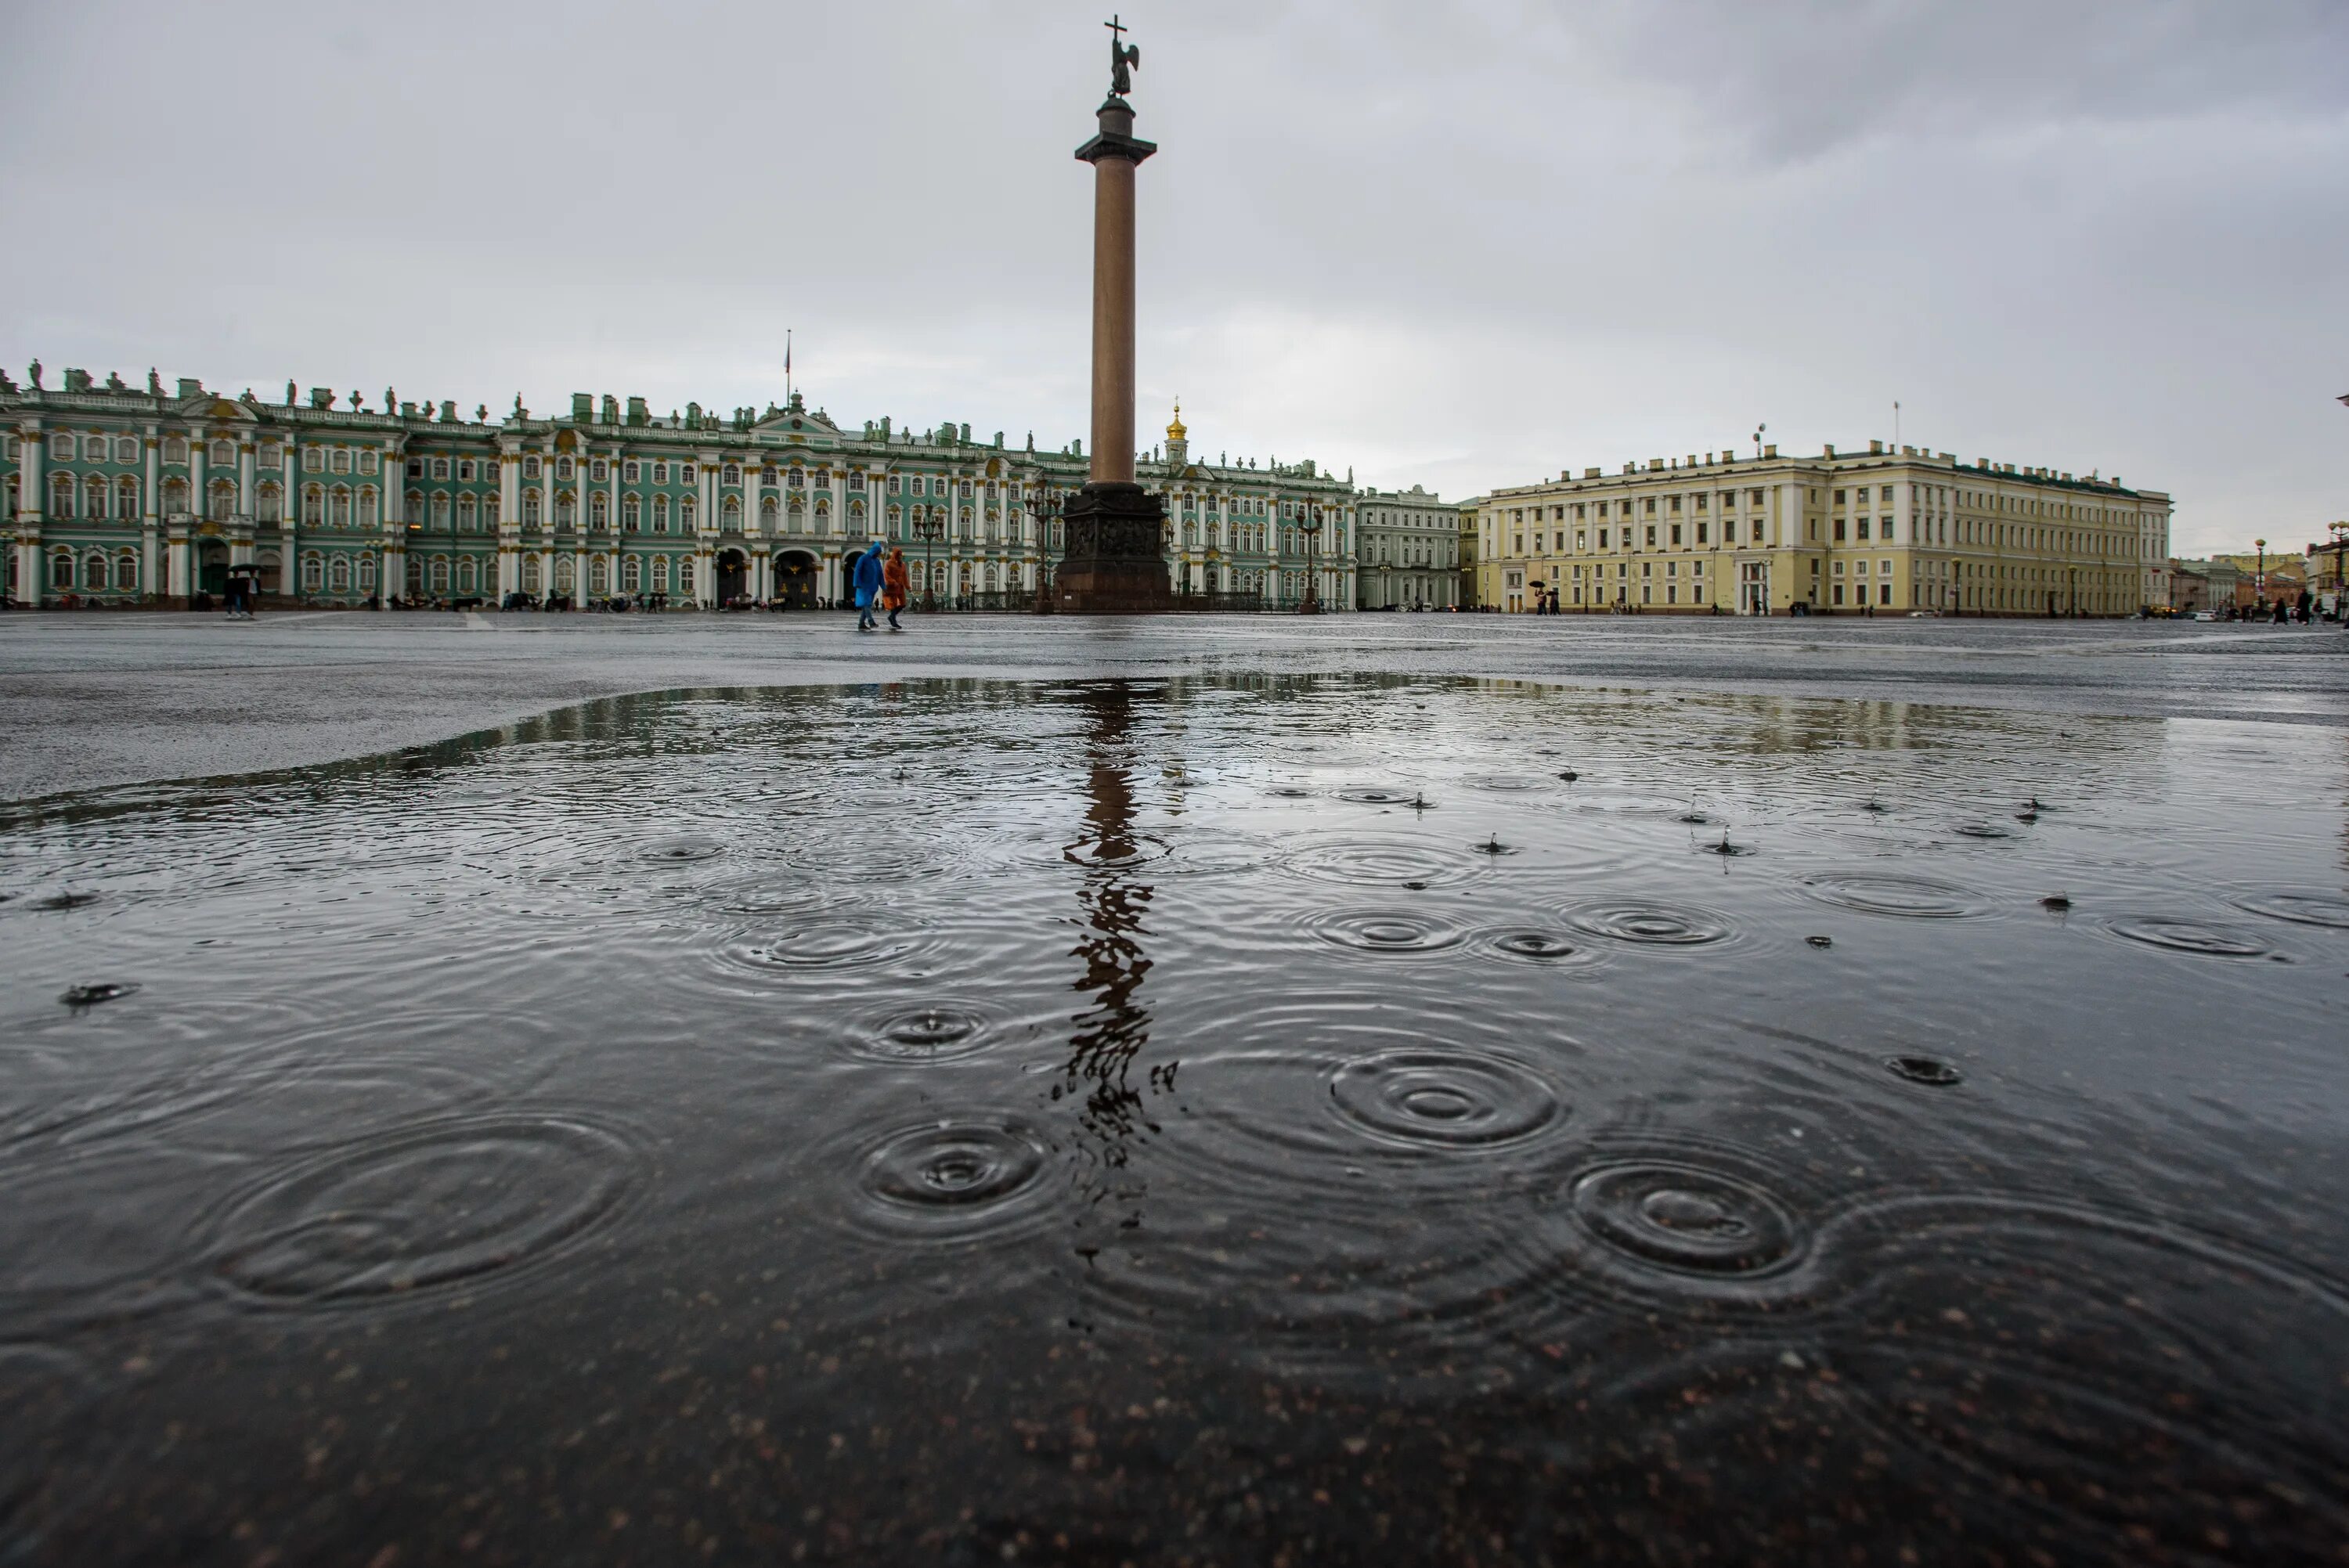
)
(1878, 532)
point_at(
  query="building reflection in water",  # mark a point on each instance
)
(1109, 1033)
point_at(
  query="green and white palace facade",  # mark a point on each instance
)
(118, 494)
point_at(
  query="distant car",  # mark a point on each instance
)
(2204, 615)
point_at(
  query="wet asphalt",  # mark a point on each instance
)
(94, 699)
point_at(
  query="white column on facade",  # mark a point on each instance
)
(509, 523)
(289, 532)
(150, 499)
(196, 477)
(579, 493)
(32, 500)
(705, 565)
(245, 460)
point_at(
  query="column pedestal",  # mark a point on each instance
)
(1116, 562)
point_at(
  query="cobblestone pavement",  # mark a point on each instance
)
(98, 698)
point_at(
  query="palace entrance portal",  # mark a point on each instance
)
(795, 580)
(733, 575)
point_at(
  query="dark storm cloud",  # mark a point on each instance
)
(1465, 244)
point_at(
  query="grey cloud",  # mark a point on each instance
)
(1465, 244)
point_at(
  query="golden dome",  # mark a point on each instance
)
(1175, 432)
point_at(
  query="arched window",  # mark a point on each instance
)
(468, 577)
(126, 572)
(61, 449)
(341, 576)
(93, 498)
(339, 507)
(732, 511)
(598, 576)
(530, 509)
(732, 475)
(414, 509)
(314, 460)
(685, 573)
(767, 514)
(175, 450)
(366, 571)
(660, 574)
(93, 572)
(631, 513)
(440, 574)
(61, 495)
(126, 450)
(313, 572)
(94, 449)
(223, 455)
(687, 513)
(469, 514)
(599, 511)
(61, 570)
(565, 511)
(529, 573)
(631, 573)
(271, 504)
(660, 514)
(224, 500)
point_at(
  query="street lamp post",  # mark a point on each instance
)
(1308, 522)
(2259, 582)
(2340, 580)
(1044, 506)
(928, 530)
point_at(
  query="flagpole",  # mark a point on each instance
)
(787, 365)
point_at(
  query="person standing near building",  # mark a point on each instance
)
(867, 584)
(897, 587)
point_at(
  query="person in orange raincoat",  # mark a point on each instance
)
(897, 588)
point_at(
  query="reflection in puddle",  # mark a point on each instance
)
(924, 1103)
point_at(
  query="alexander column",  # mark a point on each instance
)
(1116, 560)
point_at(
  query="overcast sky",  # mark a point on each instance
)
(1458, 245)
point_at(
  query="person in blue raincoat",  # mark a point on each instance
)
(867, 584)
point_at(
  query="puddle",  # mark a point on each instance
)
(995, 1115)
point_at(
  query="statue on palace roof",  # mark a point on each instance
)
(33, 371)
(155, 382)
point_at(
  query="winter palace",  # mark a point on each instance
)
(118, 493)
(1881, 532)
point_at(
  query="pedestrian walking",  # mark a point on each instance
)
(897, 587)
(867, 584)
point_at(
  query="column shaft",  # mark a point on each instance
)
(1113, 380)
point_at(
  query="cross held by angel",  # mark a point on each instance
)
(1124, 58)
